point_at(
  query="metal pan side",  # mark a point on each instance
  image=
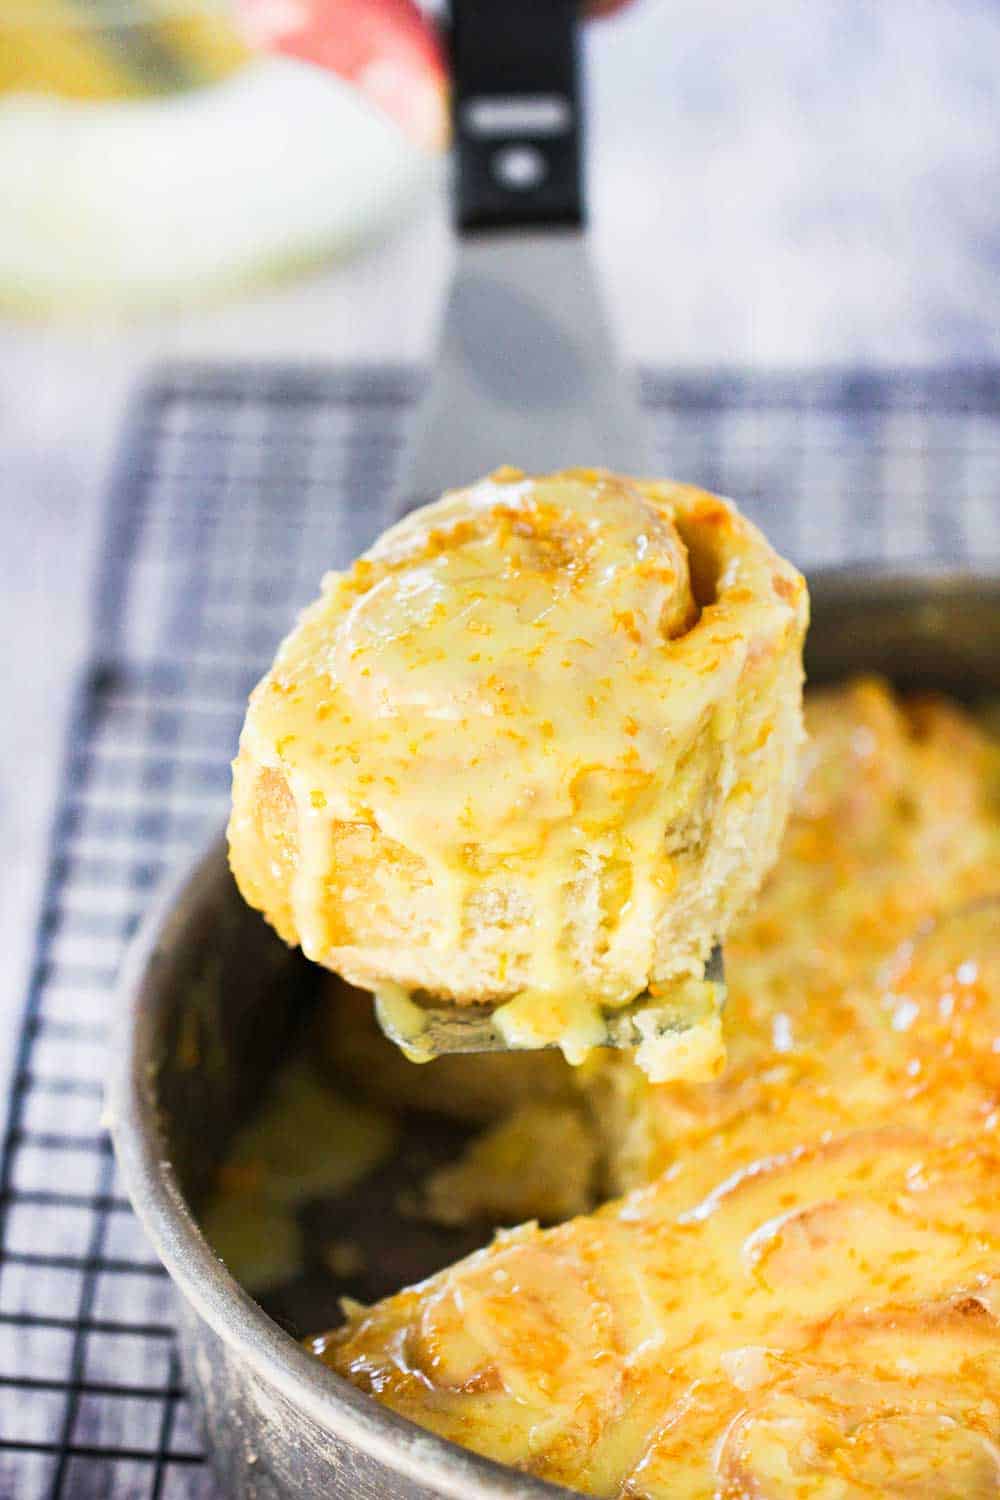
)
(281, 1425)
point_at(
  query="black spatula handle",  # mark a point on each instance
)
(516, 108)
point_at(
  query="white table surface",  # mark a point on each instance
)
(772, 184)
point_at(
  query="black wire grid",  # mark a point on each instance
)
(236, 489)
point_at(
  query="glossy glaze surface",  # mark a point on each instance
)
(801, 1301)
(533, 747)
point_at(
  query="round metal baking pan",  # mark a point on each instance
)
(281, 1425)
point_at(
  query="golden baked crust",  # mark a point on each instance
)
(824, 1323)
(803, 1301)
(535, 747)
(896, 822)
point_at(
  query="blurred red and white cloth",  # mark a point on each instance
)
(385, 48)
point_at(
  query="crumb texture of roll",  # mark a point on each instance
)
(535, 747)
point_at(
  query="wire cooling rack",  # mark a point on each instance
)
(236, 489)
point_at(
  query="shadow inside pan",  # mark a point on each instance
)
(248, 1019)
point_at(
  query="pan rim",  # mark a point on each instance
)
(260, 1344)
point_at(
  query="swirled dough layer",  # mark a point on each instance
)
(535, 748)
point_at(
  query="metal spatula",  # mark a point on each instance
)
(526, 371)
(446, 1029)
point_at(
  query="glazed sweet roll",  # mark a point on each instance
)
(534, 749)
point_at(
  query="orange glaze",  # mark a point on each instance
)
(803, 1299)
(534, 749)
